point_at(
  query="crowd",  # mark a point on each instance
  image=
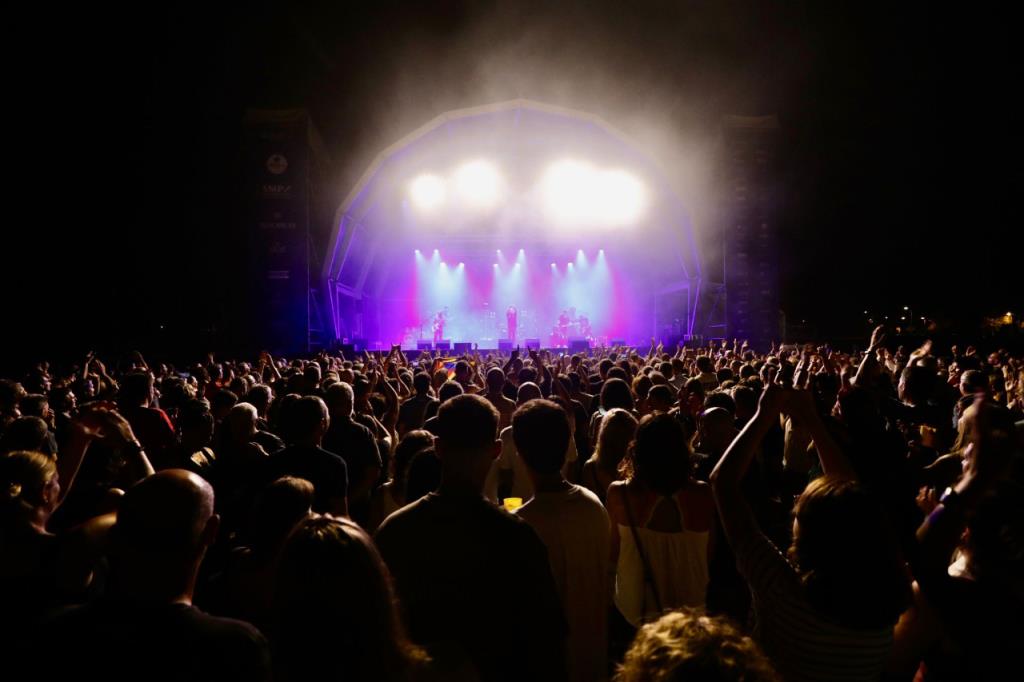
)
(712, 513)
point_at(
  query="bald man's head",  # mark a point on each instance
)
(167, 514)
(527, 391)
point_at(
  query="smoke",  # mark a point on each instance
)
(661, 73)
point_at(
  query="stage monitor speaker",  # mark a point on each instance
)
(348, 351)
(424, 344)
(443, 344)
(533, 343)
(505, 345)
(579, 345)
(463, 347)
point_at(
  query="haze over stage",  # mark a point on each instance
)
(502, 193)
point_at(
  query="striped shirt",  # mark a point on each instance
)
(803, 644)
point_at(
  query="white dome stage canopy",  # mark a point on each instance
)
(518, 206)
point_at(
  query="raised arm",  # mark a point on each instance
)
(727, 476)
(511, 358)
(869, 364)
(390, 419)
(988, 458)
(805, 414)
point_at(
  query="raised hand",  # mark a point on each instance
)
(773, 400)
(877, 338)
(101, 420)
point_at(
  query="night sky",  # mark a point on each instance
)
(899, 150)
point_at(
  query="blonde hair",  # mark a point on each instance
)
(688, 644)
(618, 427)
(23, 476)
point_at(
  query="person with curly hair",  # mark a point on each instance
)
(690, 645)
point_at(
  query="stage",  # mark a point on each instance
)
(550, 212)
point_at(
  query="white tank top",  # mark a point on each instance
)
(679, 568)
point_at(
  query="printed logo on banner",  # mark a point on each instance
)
(278, 220)
(277, 164)
(277, 191)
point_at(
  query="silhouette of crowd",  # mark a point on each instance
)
(695, 513)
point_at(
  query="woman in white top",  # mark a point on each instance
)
(661, 525)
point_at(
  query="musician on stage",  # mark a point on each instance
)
(439, 321)
(510, 317)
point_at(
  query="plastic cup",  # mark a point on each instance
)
(513, 503)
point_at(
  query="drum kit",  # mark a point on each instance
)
(570, 326)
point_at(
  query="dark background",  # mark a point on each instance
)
(899, 147)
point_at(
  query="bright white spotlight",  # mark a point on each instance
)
(495, 265)
(462, 265)
(621, 197)
(575, 192)
(568, 188)
(428, 192)
(417, 252)
(478, 184)
(443, 264)
(553, 265)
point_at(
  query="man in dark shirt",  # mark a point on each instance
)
(355, 444)
(474, 580)
(412, 413)
(145, 627)
(151, 425)
(304, 458)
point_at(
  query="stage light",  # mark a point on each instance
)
(428, 192)
(462, 265)
(443, 264)
(417, 252)
(436, 251)
(553, 265)
(621, 197)
(575, 192)
(478, 183)
(567, 187)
